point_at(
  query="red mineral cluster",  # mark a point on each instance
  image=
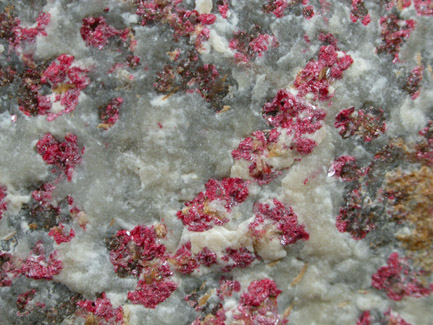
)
(18, 36)
(23, 301)
(39, 266)
(394, 32)
(315, 79)
(248, 45)
(199, 216)
(259, 304)
(43, 195)
(130, 249)
(154, 287)
(189, 75)
(96, 32)
(368, 123)
(279, 7)
(109, 114)
(255, 149)
(139, 253)
(413, 82)
(184, 260)
(65, 156)
(285, 220)
(102, 309)
(223, 8)
(227, 287)
(3, 202)
(345, 167)
(424, 7)
(359, 12)
(237, 258)
(398, 280)
(184, 23)
(206, 257)
(60, 235)
(7, 267)
(293, 114)
(66, 81)
(388, 317)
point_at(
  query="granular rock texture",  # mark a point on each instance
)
(216, 162)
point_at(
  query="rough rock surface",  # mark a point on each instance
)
(216, 162)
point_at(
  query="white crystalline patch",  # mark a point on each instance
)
(243, 78)
(203, 6)
(416, 313)
(313, 285)
(282, 162)
(319, 135)
(84, 263)
(54, 44)
(204, 48)
(116, 299)
(340, 54)
(334, 244)
(57, 107)
(15, 200)
(160, 101)
(313, 203)
(309, 96)
(124, 75)
(326, 294)
(379, 85)
(149, 174)
(280, 158)
(359, 67)
(269, 247)
(369, 301)
(129, 18)
(240, 169)
(217, 239)
(217, 207)
(292, 90)
(261, 86)
(219, 43)
(411, 118)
